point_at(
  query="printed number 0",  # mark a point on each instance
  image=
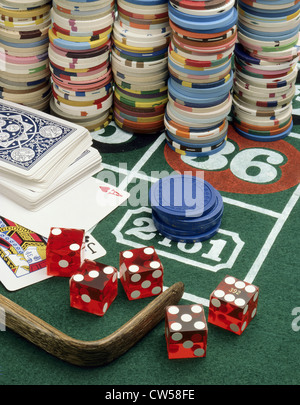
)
(145, 230)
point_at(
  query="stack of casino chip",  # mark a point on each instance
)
(266, 58)
(79, 54)
(186, 208)
(141, 36)
(200, 54)
(24, 64)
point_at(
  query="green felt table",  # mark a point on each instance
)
(258, 242)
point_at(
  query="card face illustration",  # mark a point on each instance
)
(22, 256)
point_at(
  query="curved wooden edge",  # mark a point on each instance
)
(89, 353)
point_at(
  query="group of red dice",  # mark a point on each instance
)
(232, 306)
(94, 286)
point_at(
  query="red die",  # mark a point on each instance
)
(94, 288)
(185, 331)
(233, 304)
(141, 273)
(65, 251)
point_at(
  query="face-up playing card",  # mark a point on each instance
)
(82, 207)
(93, 249)
(23, 255)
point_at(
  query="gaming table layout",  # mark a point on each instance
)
(257, 242)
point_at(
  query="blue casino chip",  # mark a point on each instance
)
(210, 24)
(186, 208)
(199, 73)
(268, 13)
(205, 93)
(197, 225)
(199, 103)
(148, 2)
(182, 196)
(240, 52)
(273, 2)
(192, 238)
(267, 36)
(207, 86)
(268, 138)
(196, 98)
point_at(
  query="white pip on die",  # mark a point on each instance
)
(233, 304)
(141, 272)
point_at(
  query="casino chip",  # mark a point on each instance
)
(266, 58)
(140, 38)
(203, 36)
(24, 62)
(80, 61)
(186, 208)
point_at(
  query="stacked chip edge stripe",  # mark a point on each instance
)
(79, 53)
(266, 58)
(24, 62)
(203, 36)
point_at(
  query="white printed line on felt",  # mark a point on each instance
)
(123, 185)
(250, 277)
(151, 179)
(193, 298)
(251, 207)
(294, 135)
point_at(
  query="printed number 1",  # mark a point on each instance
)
(145, 230)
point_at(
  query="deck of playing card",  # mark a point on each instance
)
(41, 156)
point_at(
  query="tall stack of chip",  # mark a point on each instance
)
(141, 36)
(79, 53)
(266, 60)
(201, 77)
(24, 63)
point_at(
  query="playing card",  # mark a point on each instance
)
(81, 207)
(22, 256)
(93, 249)
(35, 147)
(88, 164)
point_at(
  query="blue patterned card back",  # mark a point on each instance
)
(27, 138)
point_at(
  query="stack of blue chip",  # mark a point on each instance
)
(199, 89)
(186, 208)
(266, 59)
